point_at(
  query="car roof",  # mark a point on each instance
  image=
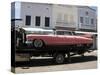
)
(37, 29)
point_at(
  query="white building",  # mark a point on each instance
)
(87, 18)
(53, 16)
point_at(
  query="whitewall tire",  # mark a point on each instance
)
(38, 43)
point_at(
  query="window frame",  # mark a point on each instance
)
(87, 20)
(81, 20)
(92, 21)
(47, 21)
(37, 20)
(28, 20)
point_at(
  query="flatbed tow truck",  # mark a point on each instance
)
(20, 52)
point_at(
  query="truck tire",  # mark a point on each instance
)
(59, 58)
(38, 43)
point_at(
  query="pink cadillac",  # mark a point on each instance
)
(58, 41)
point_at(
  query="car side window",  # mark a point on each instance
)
(60, 33)
(67, 33)
(64, 33)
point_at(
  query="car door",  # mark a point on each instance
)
(60, 39)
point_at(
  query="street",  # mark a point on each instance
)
(89, 61)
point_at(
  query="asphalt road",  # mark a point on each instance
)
(89, 61)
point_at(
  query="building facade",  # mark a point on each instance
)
(64, 18)
(53, 16)
(87, 19)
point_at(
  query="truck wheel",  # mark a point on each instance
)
(59, 58)
(38, 43)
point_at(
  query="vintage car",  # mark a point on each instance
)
(52, 43)
(58, 41)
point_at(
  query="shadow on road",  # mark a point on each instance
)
(49, 62)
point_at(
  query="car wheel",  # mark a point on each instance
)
(59, 58)
(38, 43)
